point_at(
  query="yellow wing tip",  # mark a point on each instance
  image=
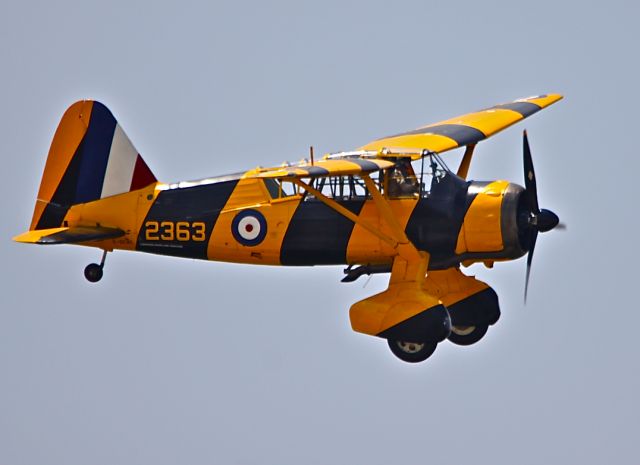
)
(543, 100)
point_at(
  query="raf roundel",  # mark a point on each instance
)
(249, 227)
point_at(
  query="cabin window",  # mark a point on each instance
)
(401, 181)
(280, 189)
(340, 188)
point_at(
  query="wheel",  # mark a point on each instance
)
(93, 272)
(412, 352)
(467, 335)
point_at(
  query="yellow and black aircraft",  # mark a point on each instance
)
(391, 206)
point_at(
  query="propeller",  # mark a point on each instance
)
(534, 220)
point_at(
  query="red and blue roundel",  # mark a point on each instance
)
(249, 227)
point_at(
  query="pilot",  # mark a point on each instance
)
(402, 180)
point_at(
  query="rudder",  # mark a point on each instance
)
(90, 158)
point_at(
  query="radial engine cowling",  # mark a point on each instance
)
(490, 228)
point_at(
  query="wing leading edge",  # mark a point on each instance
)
(463, 130)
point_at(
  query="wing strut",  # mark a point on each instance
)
(463, 170)
(410, 264)
(345, 212)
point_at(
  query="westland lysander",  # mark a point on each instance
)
(391, 206)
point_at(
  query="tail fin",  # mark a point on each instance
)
(90, 158)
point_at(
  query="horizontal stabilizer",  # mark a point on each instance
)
(69, 235)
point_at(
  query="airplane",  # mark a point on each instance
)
(390, 206)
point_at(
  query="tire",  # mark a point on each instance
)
(467, 335)
(412, 352)
(93, 272)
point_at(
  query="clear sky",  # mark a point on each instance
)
(171, 361)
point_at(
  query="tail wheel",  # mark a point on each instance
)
(412, 352)
(467, 335)
(93, 272)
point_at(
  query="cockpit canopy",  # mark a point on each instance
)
(405, 180)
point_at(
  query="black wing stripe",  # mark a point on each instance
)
(365, 165)
(524, 108)
(316, 171)
(462, 134)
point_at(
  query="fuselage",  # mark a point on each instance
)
(241, 218)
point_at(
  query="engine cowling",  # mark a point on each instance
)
(490, 227)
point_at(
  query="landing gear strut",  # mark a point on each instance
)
(93, 272)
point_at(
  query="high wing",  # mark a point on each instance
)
(462, 130)
(69, 235)
(327, 167)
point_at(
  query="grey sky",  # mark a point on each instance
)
(175, 361)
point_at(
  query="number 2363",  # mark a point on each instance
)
(174, 231)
